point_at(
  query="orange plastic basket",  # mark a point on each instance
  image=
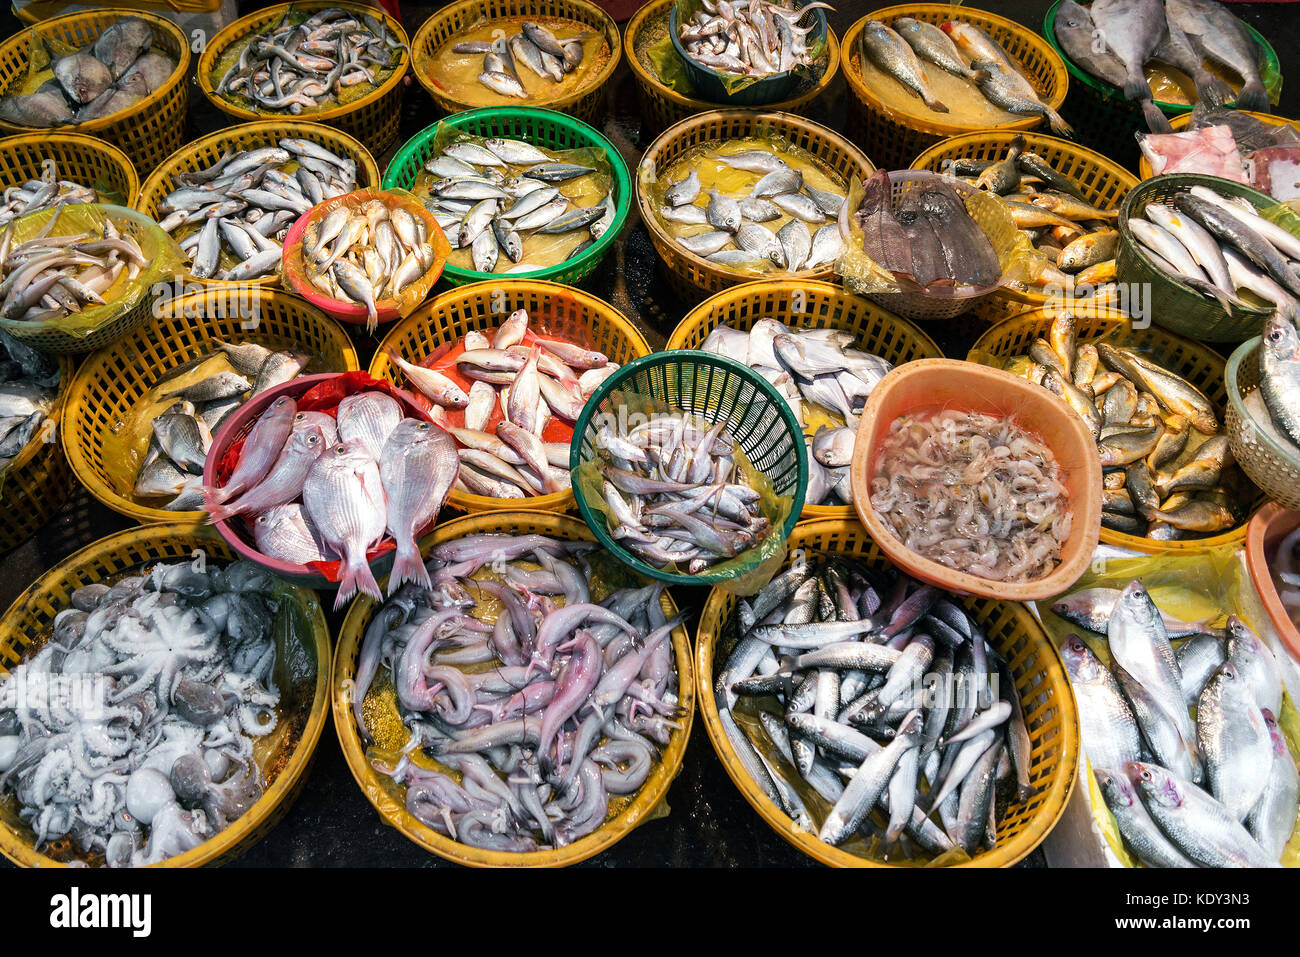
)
(894, 139)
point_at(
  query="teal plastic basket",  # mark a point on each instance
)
(546, 129)
(714, 388)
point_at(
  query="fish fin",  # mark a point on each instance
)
(1157, 122)
(1211, 91)
(357, 576)
(1136, 88)
(1058, 123)
(934, 104)
(1254, 97)
(408, 567)
(218, 512)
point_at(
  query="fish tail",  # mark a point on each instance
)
(218, 512)
(1157, 122)
(214, 498)
(1212, 91)
(357, 576)
(408, 567)
(933, 103)
(1254, 97)
(1136, 88)
(1058, 123)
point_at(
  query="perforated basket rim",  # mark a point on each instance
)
(596, 522)
(1247, 351)
(108, 154)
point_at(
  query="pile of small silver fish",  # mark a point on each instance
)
(1220, 790)
(1078, 238)
(536, 47)
(572, 710)
(366, 253)
(878, 682)
(530, 380)
(811, 368)
(182, 434)
(29, 381)
(690, 503)
(44, 193)
(50, 277)
(962, 49)
(105, 77)
(738, 238)
(975, 492)
(308, 65)
(1115, 39)
(748, 37)
(240, 208)
(491, 196)
(1168, 472)
(321, 488)
(130, 734)
(1220, 246)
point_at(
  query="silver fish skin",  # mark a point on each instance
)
(1279, 372)
(932, 44)
(1273, 817)
(261, 450)
(869, 782)
(368, 418)
(1199, 658)
(1219, 36)
(283, 483)
(417, 467)
(1110, 732)
(1138, 641)
(1158, 729)
(683, 191)
(1255, 664)
(1235, 741)
(344, 499)
(796, 244)
(286, 534)
(1194, 822)
(1092, 608)
(892, 54)
(1133, 29)
(1140, 832)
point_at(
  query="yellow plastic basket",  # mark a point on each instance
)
(1045, 697)
(26, 627)
(694, 277)
(893, 139)
(147, 131)
(373, 118)
(38, 480)
(585, 102)
(1101, 181)
(1200, 366)
(81, 159)
(662, 106)
(642, 807)
(805, 304)
(39, 10)
(1180, 123)
(483, 306)
(203, 152)
(111, 381)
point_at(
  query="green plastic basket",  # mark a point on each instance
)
(545, 128)
(713, 388)
(1174, 306)
(1106, 121)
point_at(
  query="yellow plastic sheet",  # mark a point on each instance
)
(1212, 584)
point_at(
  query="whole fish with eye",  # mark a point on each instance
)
(232, 217)
(366, 252)
(999, 78)
(549, 695)
(44, 193)
(110, 74)
(29, 382)
(331, 57)
(535, 47)
(509, 206)
(184, 419)
(768, 206)
(825, 382)
(752, 38)
(1168, 472)
(902, 775)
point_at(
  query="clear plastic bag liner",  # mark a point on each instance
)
(163, 260)
(1209, 584)
(752, 568)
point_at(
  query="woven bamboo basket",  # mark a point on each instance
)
(895, 139)
(27, 626)
(584, 102)
(806, 304)
(203, 152)
(37, 482)
(79, 158)
(110, 382)
(1103, 183)
(1184, 120)
(482, 306)
(1200, 366)
(147, 131)
(373, 118)
(645, 805)
(1040, 680)
(694, 277)
(662, 106)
